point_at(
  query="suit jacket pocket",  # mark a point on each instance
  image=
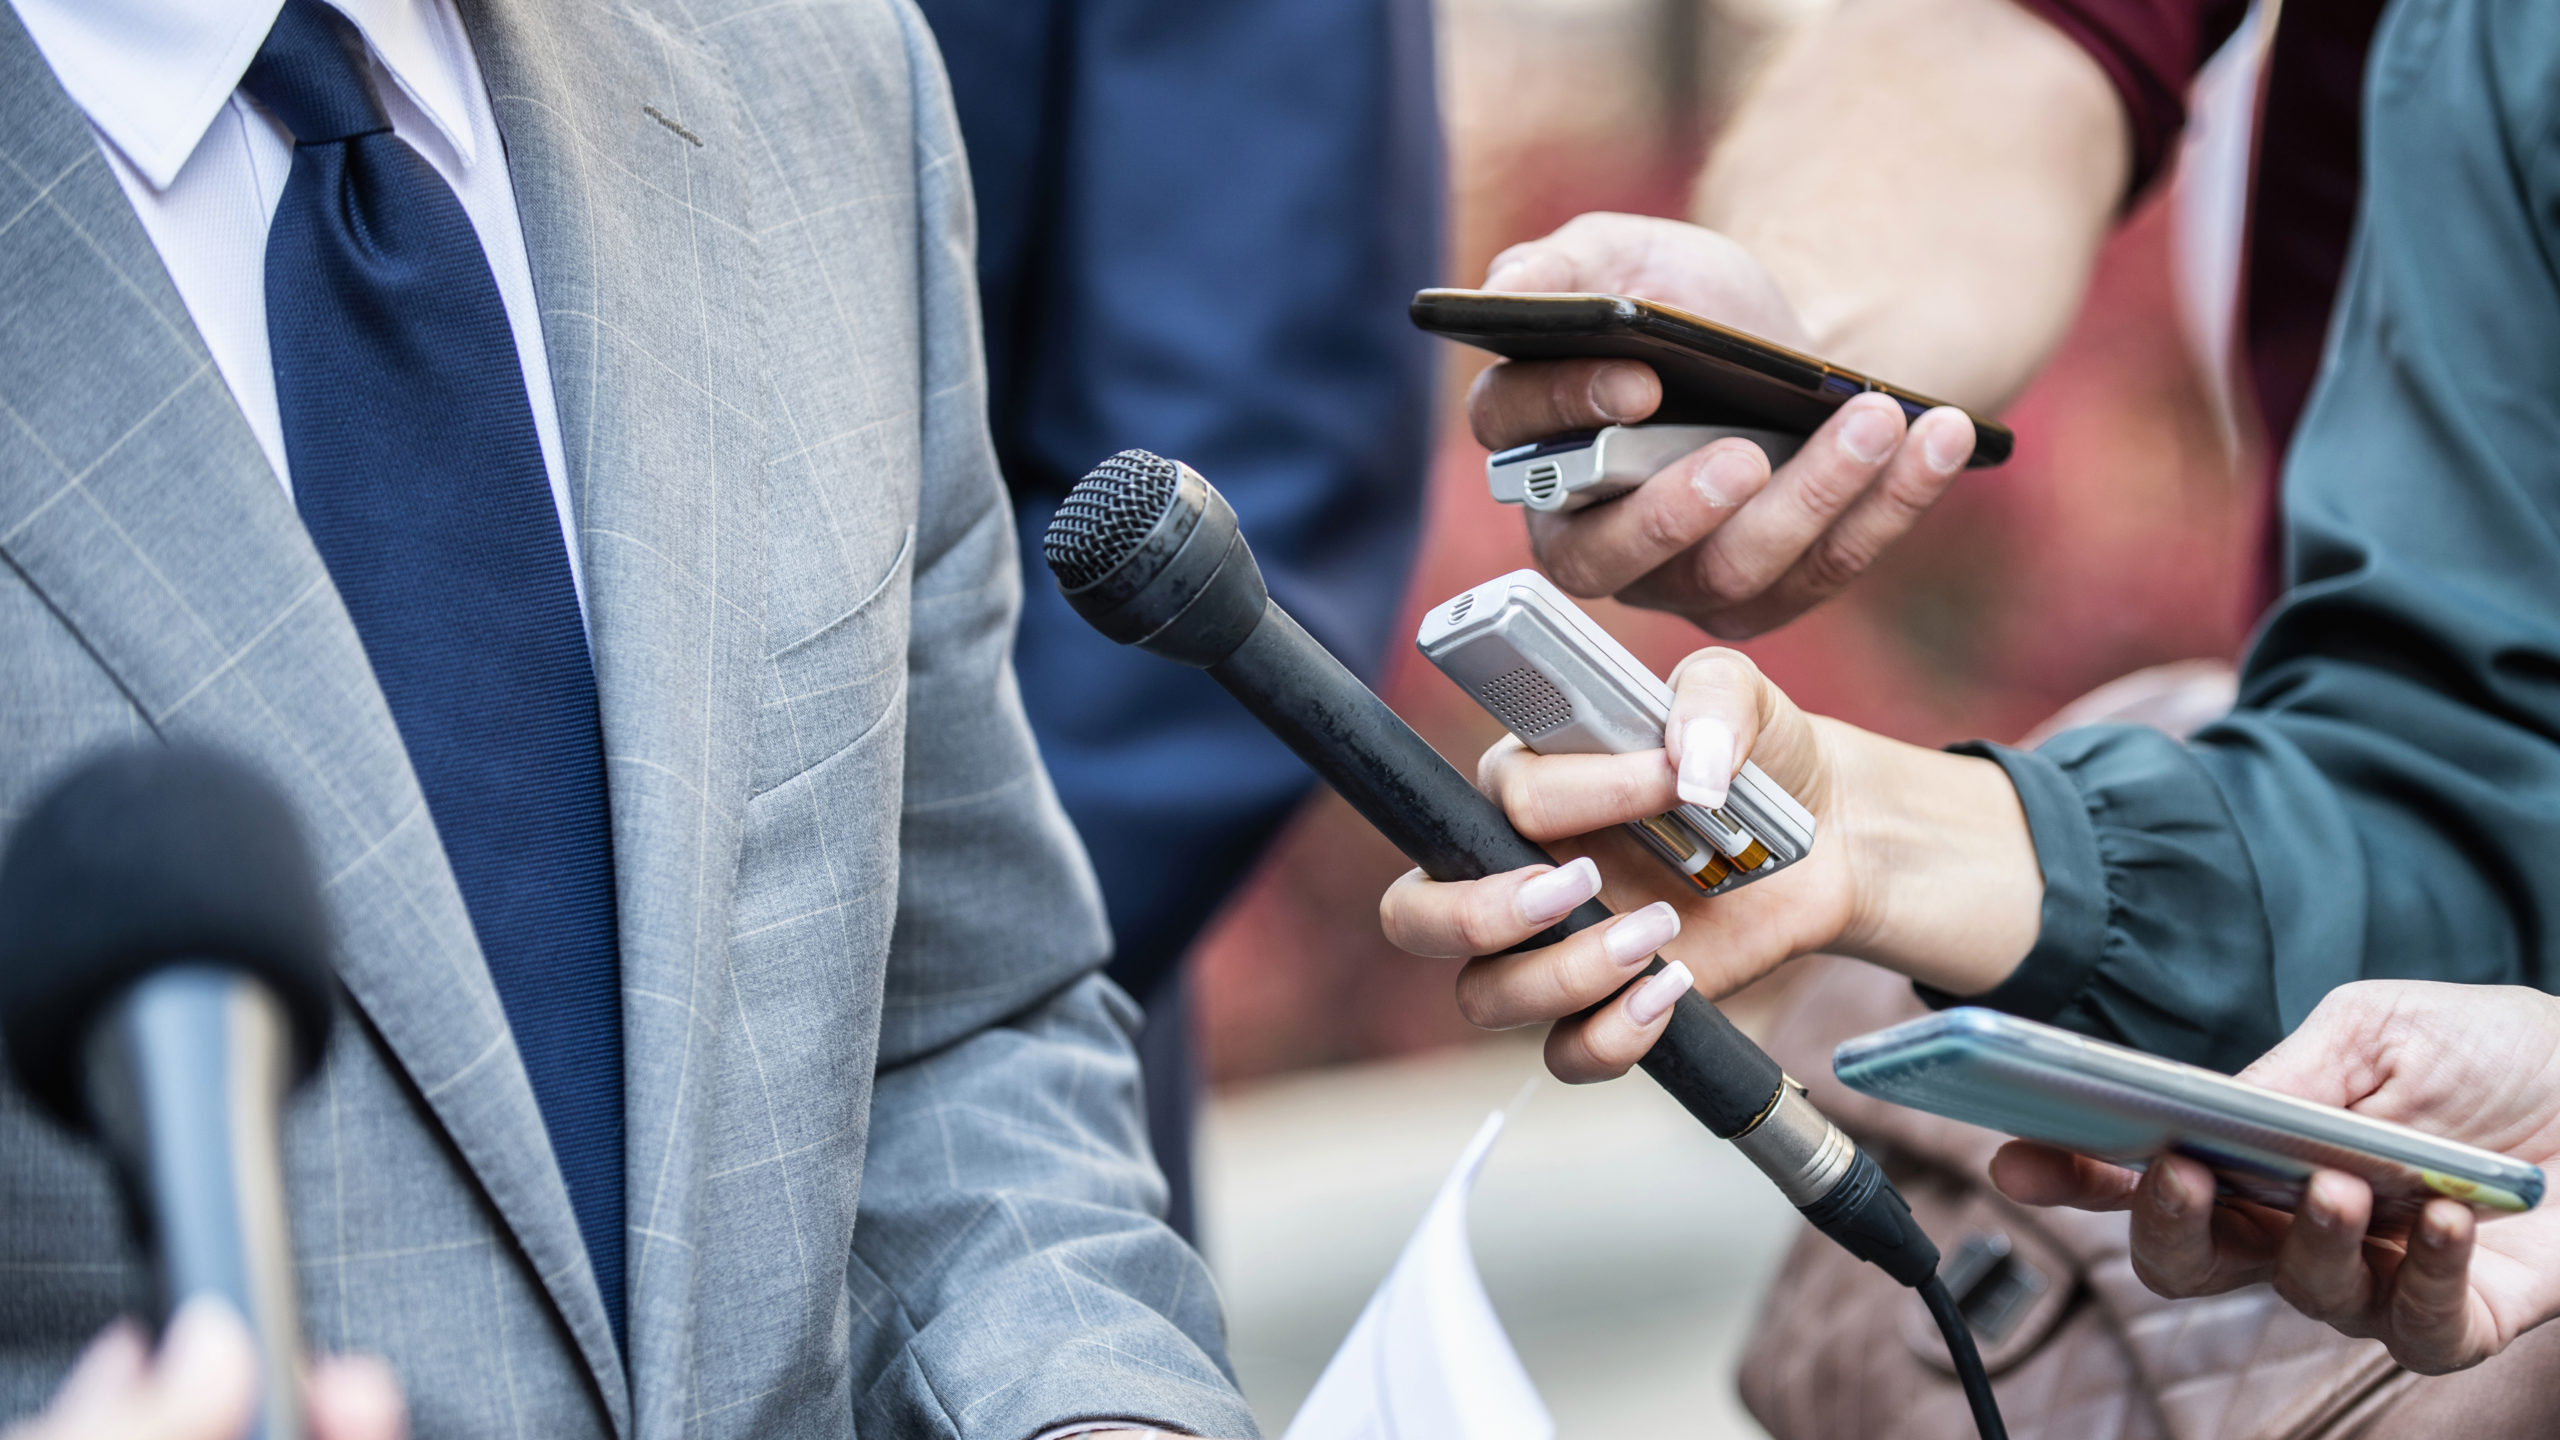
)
(833, 688)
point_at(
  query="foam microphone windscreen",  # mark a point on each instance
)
(144, 858)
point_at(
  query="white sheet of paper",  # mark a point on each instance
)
(1428, 1359)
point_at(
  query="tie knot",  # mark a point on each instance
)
(312, 74)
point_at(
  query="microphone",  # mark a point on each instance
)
(163, 984)
(1149, 553)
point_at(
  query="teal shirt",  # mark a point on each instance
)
(2385, 799)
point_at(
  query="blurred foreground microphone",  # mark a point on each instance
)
(163, 983)
(1149, 553)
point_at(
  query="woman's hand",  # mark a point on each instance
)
(1920, 861)
(1715, 535)
(2479, 1064)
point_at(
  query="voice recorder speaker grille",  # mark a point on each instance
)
(1527, 703)
(1099, 524)
(1544, 481)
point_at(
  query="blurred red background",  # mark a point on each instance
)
(2119, 536)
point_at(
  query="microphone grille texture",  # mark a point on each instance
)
(1109, 512)
(1527, 703)
(145, 858)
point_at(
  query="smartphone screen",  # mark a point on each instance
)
(2041, 1083)
(1711, 374)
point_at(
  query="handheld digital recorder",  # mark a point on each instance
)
(1554, 678)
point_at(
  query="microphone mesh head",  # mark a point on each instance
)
(1107, 514)
(145, 858)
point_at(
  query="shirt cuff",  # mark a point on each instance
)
(1096, 1427)
(2073, 926)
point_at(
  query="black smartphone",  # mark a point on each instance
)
(1711, 374)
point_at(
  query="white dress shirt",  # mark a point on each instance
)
(205, 167)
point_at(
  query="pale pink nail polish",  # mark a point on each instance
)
(1656, 995)
(1707, 762)
(1639, 933)
(1553, 895)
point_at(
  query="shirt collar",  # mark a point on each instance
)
(153, 74)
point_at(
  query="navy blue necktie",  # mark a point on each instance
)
(419, 477)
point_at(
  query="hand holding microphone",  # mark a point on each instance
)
(202, 1384)
(1149, 553)
(1912, 873)
(163, 984)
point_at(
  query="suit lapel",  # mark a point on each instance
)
(135, 502)
(628, 159)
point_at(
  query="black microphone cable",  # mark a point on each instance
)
(1148, 552)
(1968, 1359)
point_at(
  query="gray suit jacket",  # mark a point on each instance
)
(858, 937)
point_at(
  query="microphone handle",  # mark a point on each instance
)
(1418, 800)
(185, 1078)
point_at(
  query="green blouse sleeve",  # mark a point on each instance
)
(2385, 799)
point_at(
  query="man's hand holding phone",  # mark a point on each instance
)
(1715, 536)
(2479, 1064)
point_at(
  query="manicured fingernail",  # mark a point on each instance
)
(2173, 1195)
(1869, 434)
(1707, 762)
(1554, 894)
(1944, 449)
(2318, 1208)
(1657, 994)
(1726, 478)
(1622, 392)
(1637, 935)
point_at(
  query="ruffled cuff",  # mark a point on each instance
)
(2154, 930)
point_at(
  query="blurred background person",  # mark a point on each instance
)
(1198, 227)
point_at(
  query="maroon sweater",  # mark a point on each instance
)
(2303, 186)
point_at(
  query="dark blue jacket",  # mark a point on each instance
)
(1199, 224)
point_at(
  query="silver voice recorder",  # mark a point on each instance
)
(1554, 678)
(1586, 467)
